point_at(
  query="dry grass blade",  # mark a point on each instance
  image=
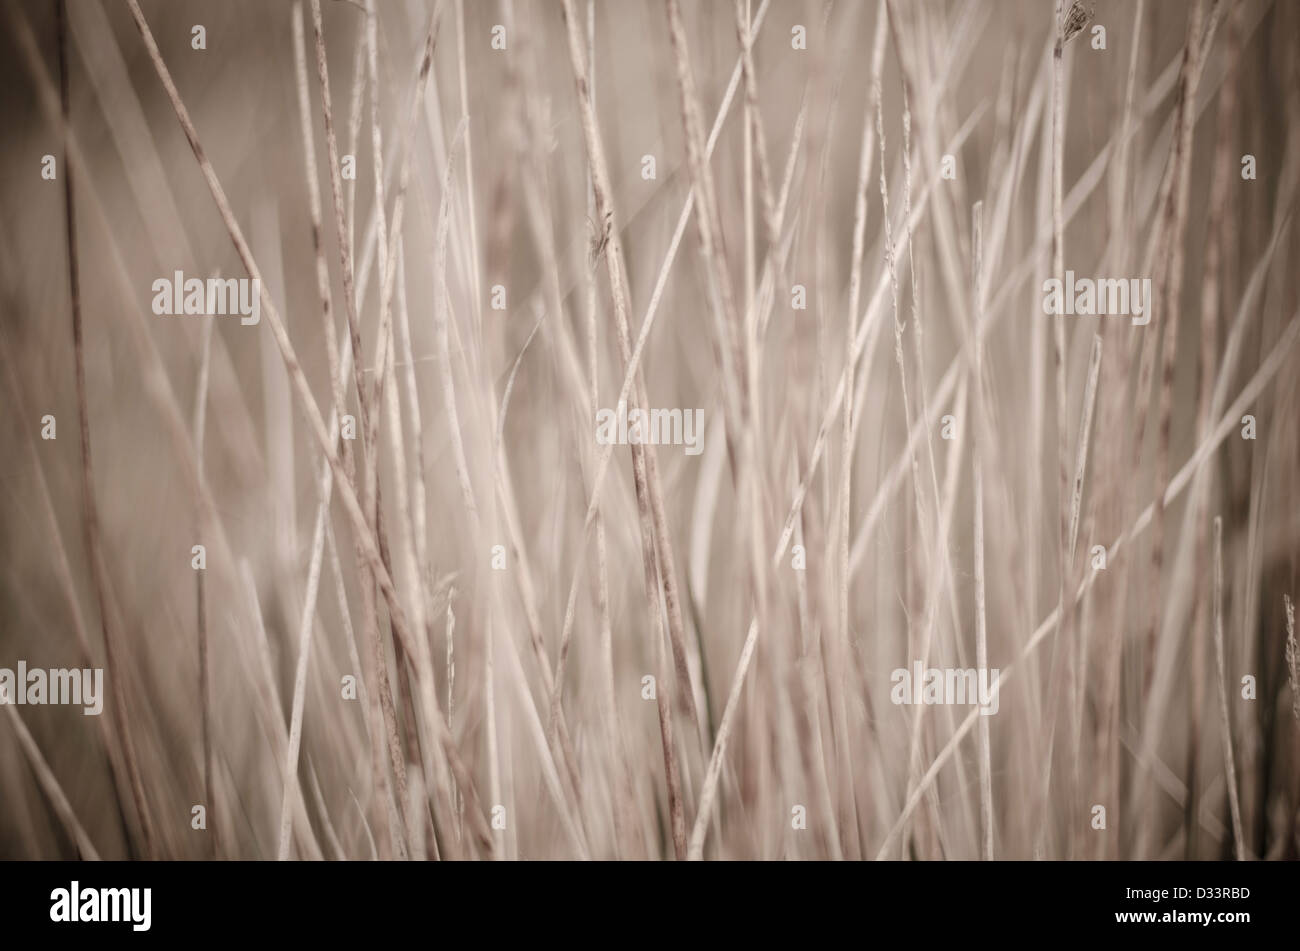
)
(90, 510)
(1229, 763)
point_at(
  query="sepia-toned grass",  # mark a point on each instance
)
(921, 465)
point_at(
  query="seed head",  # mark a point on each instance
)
(1078, 18)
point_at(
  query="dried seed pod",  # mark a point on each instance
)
(1078, 18)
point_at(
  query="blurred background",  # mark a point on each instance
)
(770, 585)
